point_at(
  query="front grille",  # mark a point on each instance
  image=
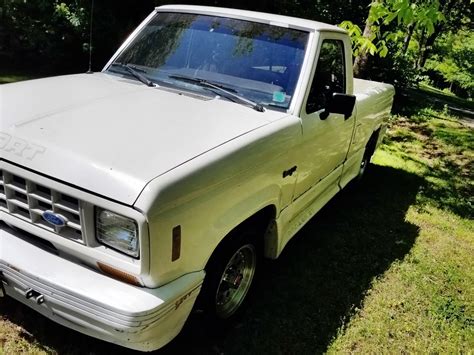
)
(28, 201)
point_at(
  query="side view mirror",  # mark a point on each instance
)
(339, 103)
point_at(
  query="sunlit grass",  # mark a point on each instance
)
(11, 78)
(445, 96)
(7, 79)
(425, 303)
(15, 340)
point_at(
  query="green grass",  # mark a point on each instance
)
(446, 96)
(424, 303)
(12, 77)
(411, 100)
(385, 267)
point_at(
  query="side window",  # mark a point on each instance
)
(330, 75)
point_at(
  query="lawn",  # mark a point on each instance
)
(12, 76)
(6, 79)
(386, 267)
(11, 71)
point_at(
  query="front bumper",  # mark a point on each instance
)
(91, 303)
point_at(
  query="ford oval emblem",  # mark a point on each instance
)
(54, 219)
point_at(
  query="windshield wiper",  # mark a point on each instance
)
(135, 73)
(227, 92)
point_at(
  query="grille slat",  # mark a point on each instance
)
(18, 203)
(74, 226)
(62, 206)
(28, 201)
(17, 188)
(40, 198)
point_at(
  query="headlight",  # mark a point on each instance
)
(117, 231)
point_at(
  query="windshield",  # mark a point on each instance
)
(260, 62)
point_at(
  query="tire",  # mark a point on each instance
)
(364, 164)
(230, 275)
(369, 151)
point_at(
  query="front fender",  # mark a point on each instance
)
(212, 194)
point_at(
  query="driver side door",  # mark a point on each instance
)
(326, 139)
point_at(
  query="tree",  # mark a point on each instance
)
(452, 12)
(37, 29)
(407, 29)
(452, 61)
(412, 14)
(396, 37)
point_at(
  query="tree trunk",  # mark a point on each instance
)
(407, 39)
(422, 49)
(361, 61)
(360, 67)
(428, 46)
(4, 33)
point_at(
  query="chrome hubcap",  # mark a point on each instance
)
(363, 166)
(235, 281)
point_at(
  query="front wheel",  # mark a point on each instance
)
(229, 277)
(235, 281)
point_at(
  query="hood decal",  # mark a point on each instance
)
(20, 147)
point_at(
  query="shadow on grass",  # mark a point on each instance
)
(409, 102)
(454, 194)
(305, 296)
(442, 153)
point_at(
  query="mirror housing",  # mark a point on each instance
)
(339, 103)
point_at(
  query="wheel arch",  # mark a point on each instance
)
(371, 145)
(260, 221)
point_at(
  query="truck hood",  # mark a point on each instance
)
(111, 135)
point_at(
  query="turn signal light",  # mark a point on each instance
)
(119, 274)
(176, 249)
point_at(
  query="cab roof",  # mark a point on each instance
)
(277, 20)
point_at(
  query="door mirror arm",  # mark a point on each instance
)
(325, 114)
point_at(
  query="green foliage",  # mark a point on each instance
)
(394, 68)
(424, 16)
(453, 60)
(52, 30)
(421, 14)
(399, 36)
(361, 43)
(73, 13)
(329, 11)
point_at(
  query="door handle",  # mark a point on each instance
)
(289, 172)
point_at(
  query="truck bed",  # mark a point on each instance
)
(373, 96)
(373, 105)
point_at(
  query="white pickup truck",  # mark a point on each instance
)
(130, 196)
